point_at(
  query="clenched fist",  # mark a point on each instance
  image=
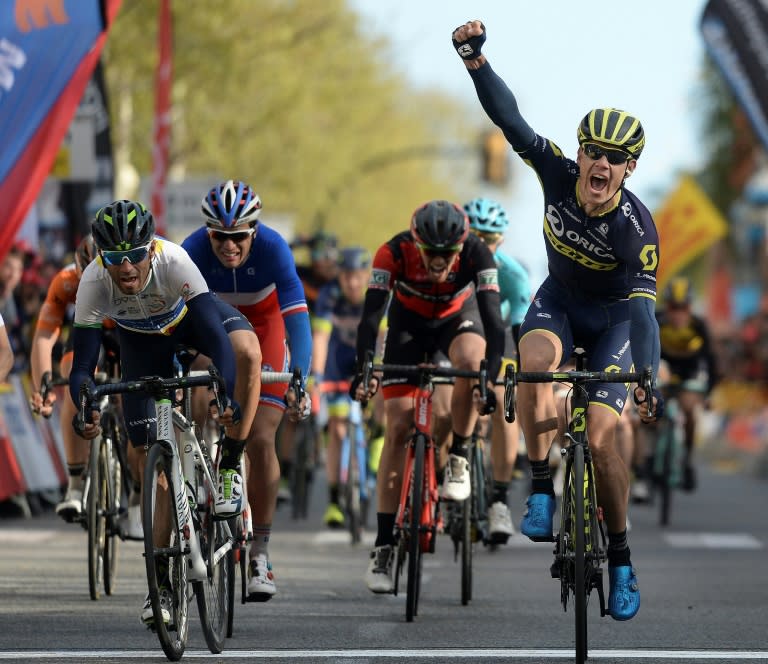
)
(468, 39)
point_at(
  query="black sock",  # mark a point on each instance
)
(618, 549)
(231, 451)
(333, 493)
(285, 469)
(459, 445)
(76, 469)
(385, 535)
(541, 478)
(500, 492)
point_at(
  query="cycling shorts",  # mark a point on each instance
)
(153, 355)
(411, 340)
(274, 357)
(601, 327)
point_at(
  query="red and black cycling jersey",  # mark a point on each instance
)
(398, 268)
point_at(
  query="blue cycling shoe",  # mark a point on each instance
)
(537, 520)
(624, 594)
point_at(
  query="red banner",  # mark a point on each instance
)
(162, 134)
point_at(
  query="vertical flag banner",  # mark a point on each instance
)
(735, 33)
(688, 223)
(48, 51)
(162, 143)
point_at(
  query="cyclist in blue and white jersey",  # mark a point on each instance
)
(250, 266)
(488, 220)
(602, 250)
(157, 297)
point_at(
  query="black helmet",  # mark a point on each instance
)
(123, 225)
(354, 258)
(439, 225)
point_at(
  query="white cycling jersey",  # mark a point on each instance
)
(173, 280)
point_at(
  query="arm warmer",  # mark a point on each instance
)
(299, 334)
(644, 334)
(86, 344)
(490, 313)
(367, 330)
(208, 327)
(501, 106)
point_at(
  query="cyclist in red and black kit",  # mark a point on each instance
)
(445, 302)
(602, 252)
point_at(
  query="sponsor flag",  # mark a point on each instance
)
(162, 142)
(688, 223)
(735, 33)
(48, 51)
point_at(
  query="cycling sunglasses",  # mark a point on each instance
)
(615, 157)
(238, 236)
(445, 252)
(133, 256)
(488, 238)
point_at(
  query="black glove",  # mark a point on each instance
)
(226, 402)
(659, 410)
(356, 381)
(77, 425)
(490, 403)
(470, 49)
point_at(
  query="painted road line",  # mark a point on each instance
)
(405, 654)
(713, 541)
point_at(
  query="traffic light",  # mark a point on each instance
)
(495, 158)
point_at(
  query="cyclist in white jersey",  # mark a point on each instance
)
(154, 292)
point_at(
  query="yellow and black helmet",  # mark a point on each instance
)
(610, 126)
(678, 292)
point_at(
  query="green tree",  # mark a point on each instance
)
(292, 97)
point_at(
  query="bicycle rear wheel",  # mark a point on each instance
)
(352, 490)
(114, 496)
(666, 449)
(98, 472)
(413, 587)
(166, 563)
(580, 588)
(213, 592)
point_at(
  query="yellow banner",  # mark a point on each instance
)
(688, 223)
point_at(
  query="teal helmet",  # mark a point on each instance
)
(486, 216)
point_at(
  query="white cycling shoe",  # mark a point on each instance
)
(456, 483)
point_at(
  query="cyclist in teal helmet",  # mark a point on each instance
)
(488, 220)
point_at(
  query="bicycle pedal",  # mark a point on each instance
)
(498, 538)
(551, 538)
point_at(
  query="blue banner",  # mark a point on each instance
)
(42, 42)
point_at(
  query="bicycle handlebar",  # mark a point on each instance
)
(154, 385)
(644, 379)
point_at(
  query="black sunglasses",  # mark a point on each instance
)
(615, 157)
(221, 236)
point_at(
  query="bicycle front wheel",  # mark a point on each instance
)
(114, 495)
(413, 587)
(213, 592)
(466, 536)
(580, 588)
(96, 507)
(164, 556)
(665, 448)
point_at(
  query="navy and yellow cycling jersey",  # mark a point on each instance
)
(688, 349)
(602, 259)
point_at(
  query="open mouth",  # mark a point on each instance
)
(598, 183)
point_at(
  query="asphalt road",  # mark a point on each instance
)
(703, 581)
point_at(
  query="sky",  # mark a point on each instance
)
(562, 58)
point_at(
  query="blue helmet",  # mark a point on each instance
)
(354, 258)
(486, 216)
(231, 205)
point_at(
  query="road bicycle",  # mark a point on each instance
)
(105, 490)
(580, 545)
(417, 517)
(179, 487)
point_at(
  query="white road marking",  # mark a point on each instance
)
(713, 541)
(406, 654)
(27, 535)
